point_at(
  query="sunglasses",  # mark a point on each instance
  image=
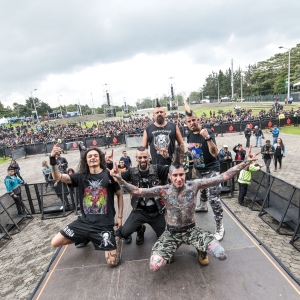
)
(141, 157)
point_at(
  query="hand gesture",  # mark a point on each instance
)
(115, 173)
(109, 157)
(163, 151)
(56, 149)
(204, 132)
(251, 156)
(118, 223)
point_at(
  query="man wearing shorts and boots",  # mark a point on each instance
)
(96, 195)
(180, 199)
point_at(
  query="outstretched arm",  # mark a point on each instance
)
(132, 189)
(216, 180)
(55, 172)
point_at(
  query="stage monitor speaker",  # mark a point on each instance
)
(110, 112)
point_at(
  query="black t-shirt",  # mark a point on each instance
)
(96, 196)
(278, 151)
(203, 160)
(161, 137)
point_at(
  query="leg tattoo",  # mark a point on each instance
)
(156, 262)
(113, 257)
(215, 249)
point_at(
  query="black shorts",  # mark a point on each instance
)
(103, 238)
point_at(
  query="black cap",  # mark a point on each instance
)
(240, 145)
(10, 168)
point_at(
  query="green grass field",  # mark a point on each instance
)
(4, 160)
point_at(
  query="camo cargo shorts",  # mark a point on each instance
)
(168, 243)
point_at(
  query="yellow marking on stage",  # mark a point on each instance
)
(263, 251)
(51, 272)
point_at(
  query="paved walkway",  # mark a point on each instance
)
(25, 258)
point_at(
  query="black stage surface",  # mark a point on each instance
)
(248, 273)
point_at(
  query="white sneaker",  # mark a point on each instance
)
(201, 208)
(219, 234)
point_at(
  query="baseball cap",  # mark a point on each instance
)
(239, 144)
(225, 146)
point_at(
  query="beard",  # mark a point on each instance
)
(160, 120)
(143, 167)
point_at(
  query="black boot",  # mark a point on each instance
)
(128, 240)
(140, 235)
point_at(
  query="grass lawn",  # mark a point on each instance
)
(290, 130)
(3, 161)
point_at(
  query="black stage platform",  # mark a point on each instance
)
(248, 273)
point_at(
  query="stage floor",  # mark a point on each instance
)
(248, 273)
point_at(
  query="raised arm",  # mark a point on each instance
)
(179, 139)
(135, 191)
(216, 180)
(213, 149)
(55, 172)
(145, 139)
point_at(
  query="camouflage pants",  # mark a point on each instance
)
(212, 194)
(168, 243)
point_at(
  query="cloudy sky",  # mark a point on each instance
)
(79, 49)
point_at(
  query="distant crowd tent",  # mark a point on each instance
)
(73, 113)
(3, 121)
(297, 84)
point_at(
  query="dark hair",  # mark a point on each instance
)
(157, 103)
(178, 158)
(83, 166)
(72, 170)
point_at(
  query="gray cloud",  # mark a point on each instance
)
(39, 38)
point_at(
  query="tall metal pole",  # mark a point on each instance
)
(241, 87)
(218, 91)
(93, 104)
(232, 83)
(37, 116)
(60, 106)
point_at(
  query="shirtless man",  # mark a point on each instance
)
(180, 200)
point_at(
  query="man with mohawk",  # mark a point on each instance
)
(161, 136)
(205, 153)
(180, 199)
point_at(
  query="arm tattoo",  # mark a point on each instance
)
(135, 191)
(213, 149)
(60, 177)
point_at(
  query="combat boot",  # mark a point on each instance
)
(202, 258)
(202, 207)
(220, 231)
(140, 235)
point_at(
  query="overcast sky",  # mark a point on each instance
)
(73, 48)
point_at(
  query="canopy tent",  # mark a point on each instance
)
(3, 121)
(296, 84)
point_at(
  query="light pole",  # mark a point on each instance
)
(289, 68)
(37, 116)
(60, 106)
(93, 104)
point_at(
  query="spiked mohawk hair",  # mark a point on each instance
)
(157, 103)
(188, 111)
(178, 159)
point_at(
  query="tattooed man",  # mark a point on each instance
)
(180, 199)
(206, 164)
(96, 194)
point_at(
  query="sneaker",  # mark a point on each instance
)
(220, 232)
(201, 208)
(140, 235)
(243, 204)
(202, 258)
(128, 240)
(83, 244)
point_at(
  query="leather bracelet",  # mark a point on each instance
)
(120, 217)
(208, 139)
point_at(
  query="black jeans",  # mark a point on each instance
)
(139, 217)
(279, 159)
(19, 203)
(247, 141)
(242, 192)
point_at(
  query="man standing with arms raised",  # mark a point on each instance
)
(205, 152)
(161, 136)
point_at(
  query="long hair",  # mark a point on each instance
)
(83, 166)
(44, 163)
(281, 143)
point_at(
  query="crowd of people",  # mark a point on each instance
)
(29, 133)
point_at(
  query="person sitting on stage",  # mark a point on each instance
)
(180, 200)
(96, 196)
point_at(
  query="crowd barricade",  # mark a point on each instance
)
(7, 152)
(34, 149)
(9, 217)
(133, 140)
(19, 153)
(281, 202)
(58, 202)
(227, 186)
(295, 238)
(115, 140)
(71, 145)
(95, 142)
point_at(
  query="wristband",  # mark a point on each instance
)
(119, 217)
(52, 161)
(208, 138)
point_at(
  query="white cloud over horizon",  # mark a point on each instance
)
(72, 48)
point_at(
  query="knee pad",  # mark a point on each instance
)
(216, 249)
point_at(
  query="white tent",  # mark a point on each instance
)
(296, 84)
(3, 121)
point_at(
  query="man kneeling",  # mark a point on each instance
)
(180, 200)
(96, 195)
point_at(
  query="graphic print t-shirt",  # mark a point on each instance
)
(96, 195)
(203, 160)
